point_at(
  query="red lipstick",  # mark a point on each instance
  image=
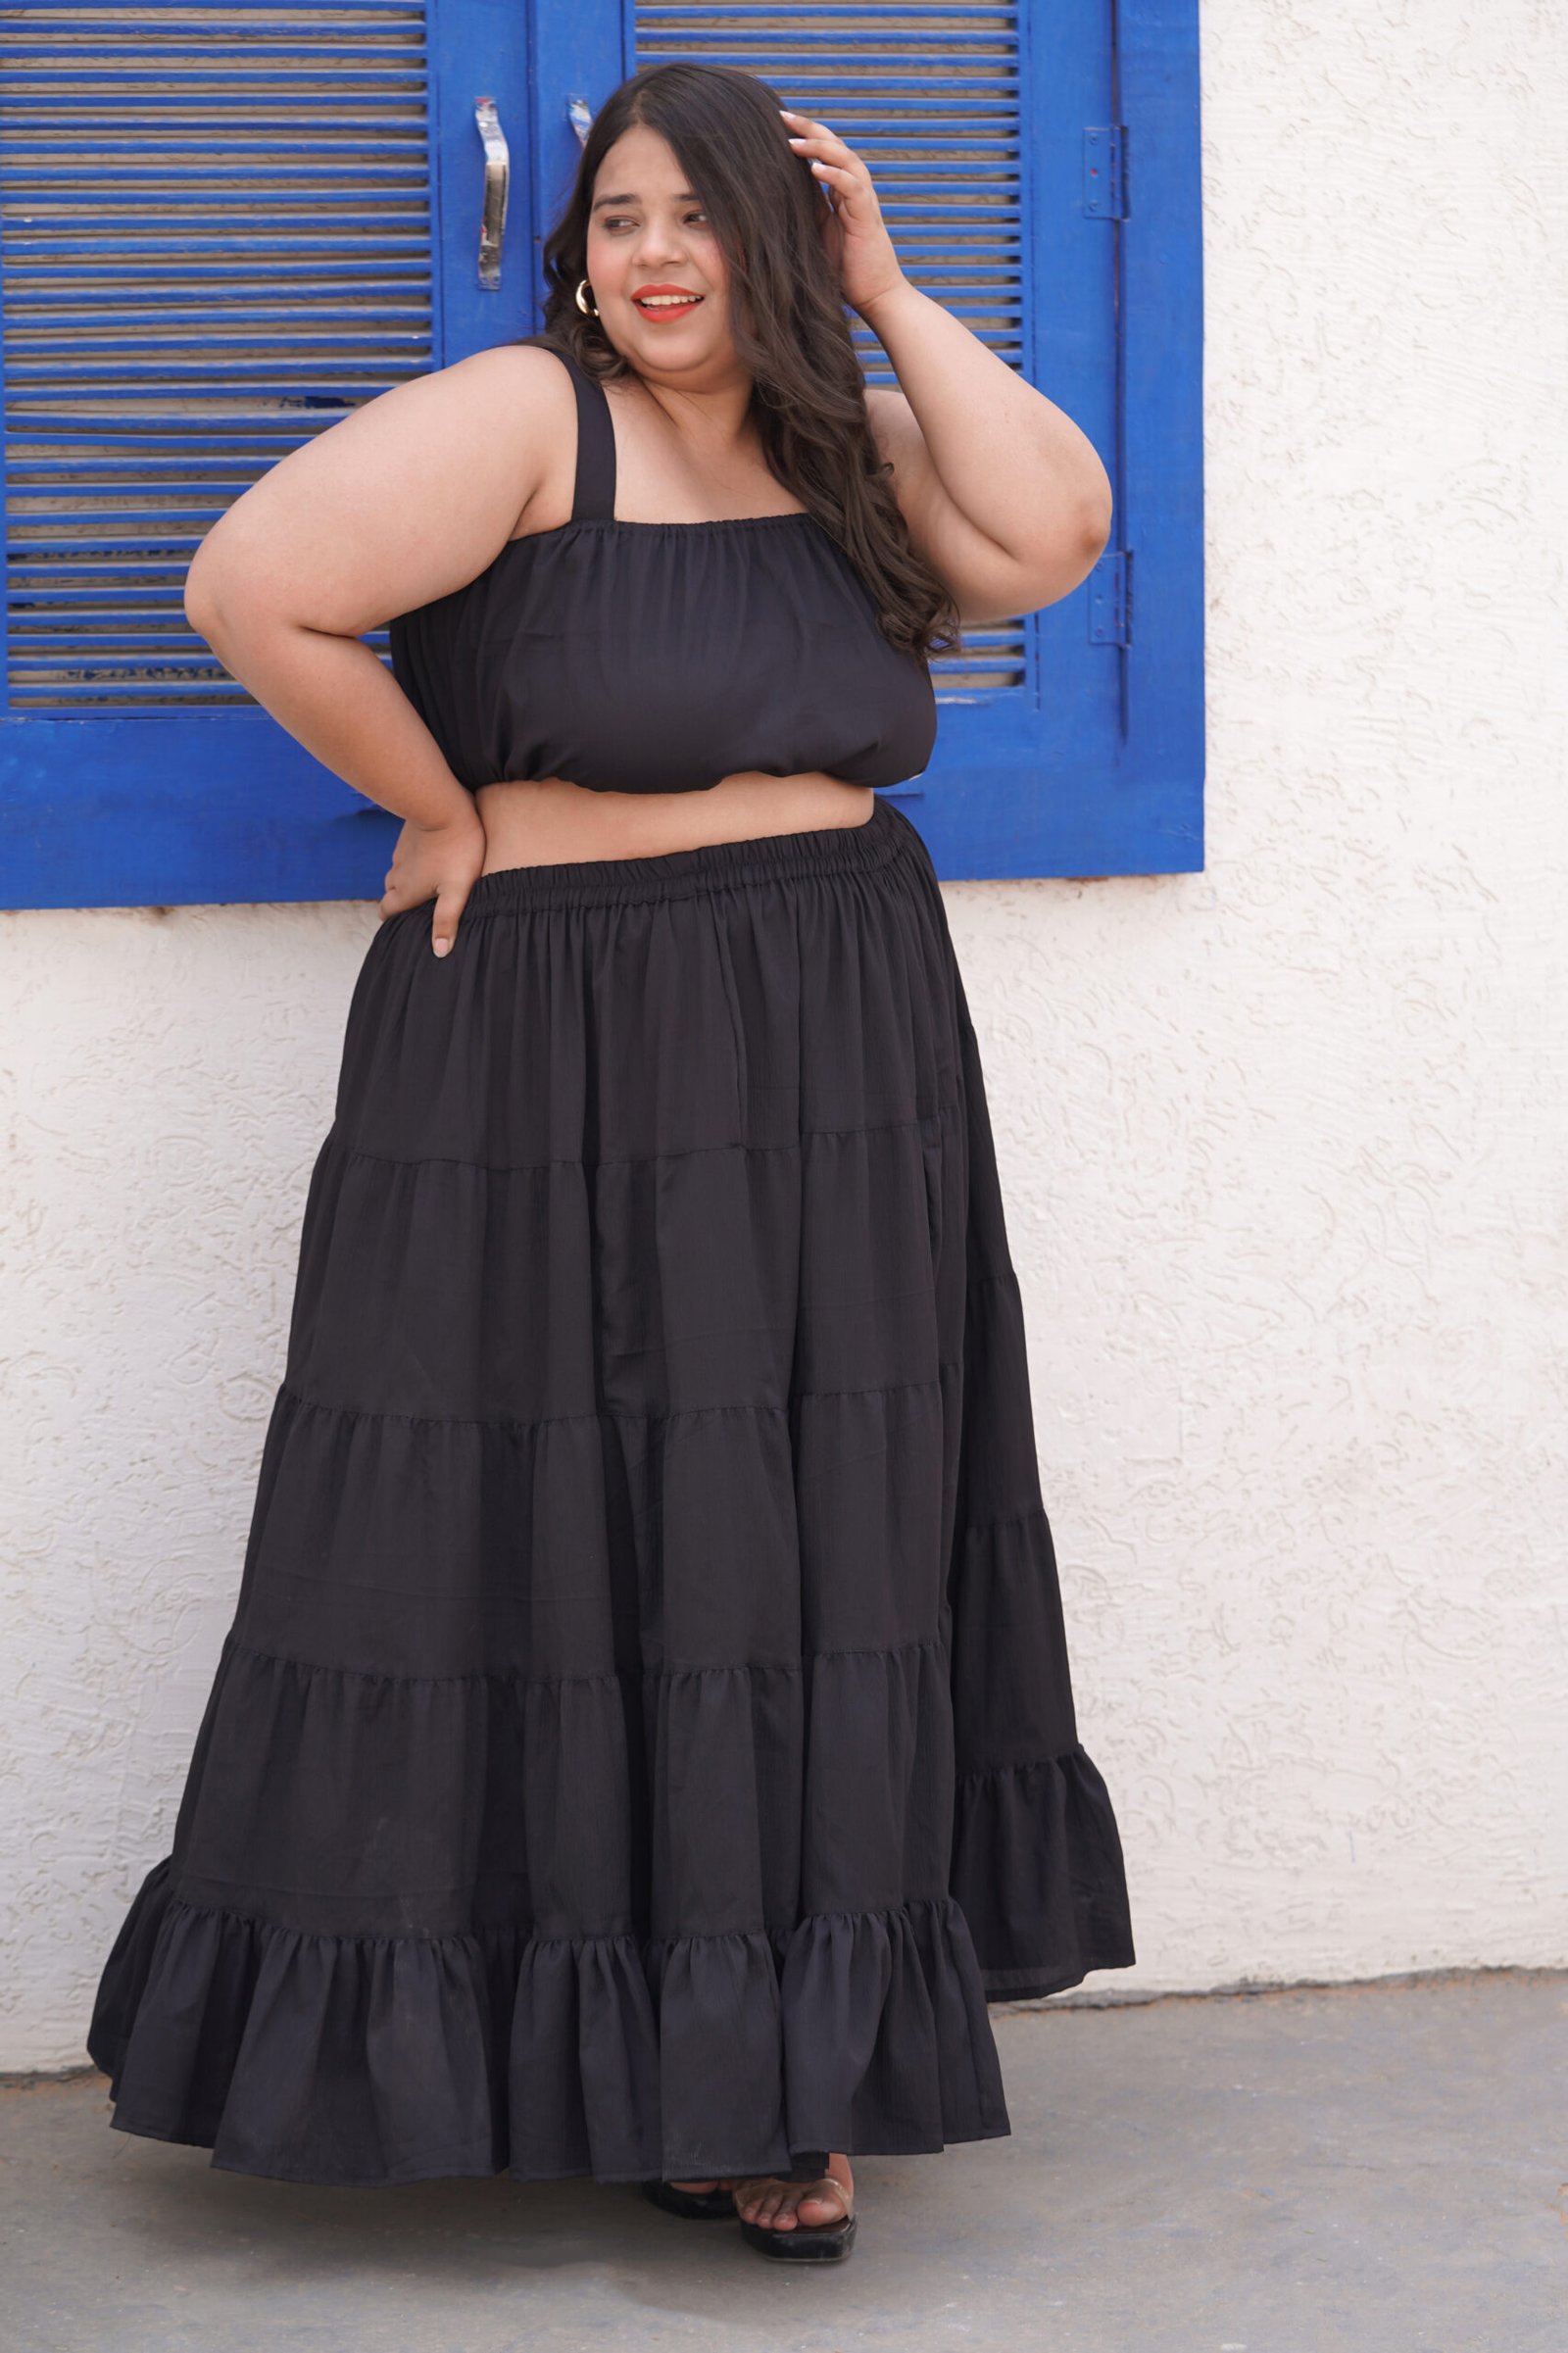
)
(667, 309)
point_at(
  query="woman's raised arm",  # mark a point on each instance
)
(1005, 498)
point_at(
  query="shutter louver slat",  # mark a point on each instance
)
(238, 255)
(929, 95)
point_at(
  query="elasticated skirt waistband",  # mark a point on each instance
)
(715, 865)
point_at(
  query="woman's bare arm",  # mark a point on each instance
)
(1005, 498)
(403, 500)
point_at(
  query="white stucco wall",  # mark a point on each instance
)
(1283, 1142)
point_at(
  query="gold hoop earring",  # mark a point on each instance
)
(588, 310)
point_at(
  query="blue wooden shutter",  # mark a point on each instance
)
(224, 227)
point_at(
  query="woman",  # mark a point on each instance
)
(645, 1737)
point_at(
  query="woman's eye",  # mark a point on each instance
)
(624, 220)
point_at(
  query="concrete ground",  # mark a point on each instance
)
(1377, 2168)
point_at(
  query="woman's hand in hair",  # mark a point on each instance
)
(853, 227)
(440, 862)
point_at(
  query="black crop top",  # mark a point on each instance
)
(660, 657)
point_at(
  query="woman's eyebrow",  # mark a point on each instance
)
(686, 196)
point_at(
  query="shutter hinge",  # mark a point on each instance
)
(1104, 173)
(1110, 604)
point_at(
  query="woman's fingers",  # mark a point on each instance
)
(449, 906)
(852, 223)
(839, 171)
(806, 130)
(440, 862)
(825, 152)
(450, 903)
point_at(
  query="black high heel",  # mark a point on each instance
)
(694, 2205)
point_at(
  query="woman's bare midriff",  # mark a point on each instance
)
(545, 821)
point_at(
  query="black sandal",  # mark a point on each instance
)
(806, 2243)
(695, 2205)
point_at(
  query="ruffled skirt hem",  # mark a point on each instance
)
(1039, 1874)
(376, 2060)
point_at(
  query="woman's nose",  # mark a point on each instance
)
(658, 248)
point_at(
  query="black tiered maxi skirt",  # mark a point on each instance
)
(645, 1739)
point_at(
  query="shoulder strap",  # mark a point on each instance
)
(593, 498)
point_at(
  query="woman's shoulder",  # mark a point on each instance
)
(409, 496)
(503, 414)
(534, 370)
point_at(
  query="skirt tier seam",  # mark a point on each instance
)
(690, 1151)
(529, 1937)
(599, 1413)
(1026, 1764)
(1012, 1519)
(604, 1675)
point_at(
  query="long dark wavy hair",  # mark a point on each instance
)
(809, 387)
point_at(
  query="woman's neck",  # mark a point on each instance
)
(712, 417)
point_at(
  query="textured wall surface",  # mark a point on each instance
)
(1283, 1142)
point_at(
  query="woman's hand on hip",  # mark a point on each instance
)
(440, 862)
(853, 227)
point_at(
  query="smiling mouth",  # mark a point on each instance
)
(666, 306)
